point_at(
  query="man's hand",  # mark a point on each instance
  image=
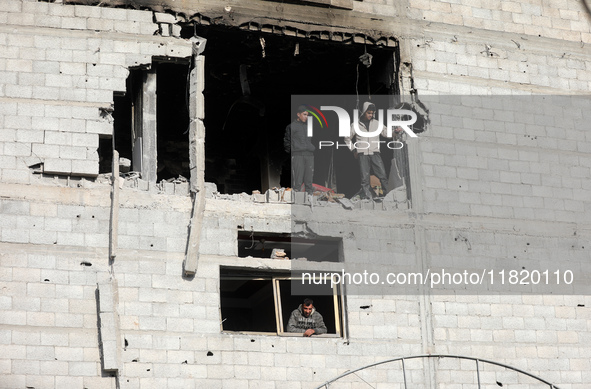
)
(309, 332)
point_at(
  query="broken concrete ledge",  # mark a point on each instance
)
(394, 201)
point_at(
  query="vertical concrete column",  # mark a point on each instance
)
(197, 128)
(144, 136)
(109, 325)
(416, 183)
(197, 163)
(114, 221)
(149, 148)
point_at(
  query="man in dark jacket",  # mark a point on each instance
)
(306, 320)
(297, 142)
(367, 151)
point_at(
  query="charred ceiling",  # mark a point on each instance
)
(331, 20)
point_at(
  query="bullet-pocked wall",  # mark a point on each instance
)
(482, 193)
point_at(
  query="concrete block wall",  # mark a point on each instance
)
(54, 239)
(508, 156)
(559, 19)
(170, 326)
(59, 67)
(145, 225)
(455, 64)
(49, 318)
(493, 47)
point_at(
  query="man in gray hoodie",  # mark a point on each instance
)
(306, 320)
(299, 145)
(367, 148)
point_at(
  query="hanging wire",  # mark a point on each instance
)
(252, 239)
(357, 87)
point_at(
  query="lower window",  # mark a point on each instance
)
(262, 302)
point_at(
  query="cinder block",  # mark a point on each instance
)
(21, 19)
(176, 50)
(127, 26)
(56, 138)
(86, 11)
(70, 68)
(99, 24)
(62, 166)
(69, 320)
(148, 29)
(179, 324)
(31, 79)
(20, 91)
(99, 127)
(70, 238)
(160, 17)
(78, 369)
(114, 13)
(99, 96)
(85, 168)
(17, 149)
(73, 23)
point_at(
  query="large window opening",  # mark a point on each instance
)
(151, 121)
(252, 301)
(249, 80)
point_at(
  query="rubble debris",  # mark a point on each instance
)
(124, 165)
(279, 254)
(262, 40)
(346, 203)
(107, 113)
(366, 59)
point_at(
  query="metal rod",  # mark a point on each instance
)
(478, 373)
(404, 373)
(552, 386)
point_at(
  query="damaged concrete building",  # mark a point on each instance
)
(143, 194)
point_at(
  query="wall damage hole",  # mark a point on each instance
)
(248, 100)
(287, 246)
(37, 167)
(151, 121)
(84, 263)
(209, 354)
